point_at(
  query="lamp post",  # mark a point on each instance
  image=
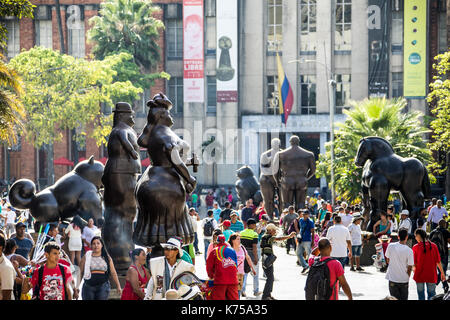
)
(332, 102)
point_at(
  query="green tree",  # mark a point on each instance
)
(12, 111)
(372, 117)
(17, 8)
(129, 26)
(440, 98)
(62, 92)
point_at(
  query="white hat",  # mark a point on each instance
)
(189, 293)
(172, 243)
(172, 294)
(405, 212)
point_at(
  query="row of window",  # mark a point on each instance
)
(44, 36)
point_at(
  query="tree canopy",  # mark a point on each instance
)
(129, 26)
(440, 98)
(372, 117)
(17, 8)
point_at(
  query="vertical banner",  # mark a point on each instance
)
(227, 50)
(193, 51)
(379, 38)
(415, 49)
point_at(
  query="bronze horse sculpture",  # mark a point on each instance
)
(385, 171)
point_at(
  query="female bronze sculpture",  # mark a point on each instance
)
(161, 191)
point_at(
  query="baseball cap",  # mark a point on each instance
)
(20, 225)
(234, 213)
(405, 212)
(227, 223)
(221, 238)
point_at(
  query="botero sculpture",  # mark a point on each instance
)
(119, 179)
(76, 193)
(161, 191)
(268, 179)
(247, 187)
(385, 171)
(296, 167)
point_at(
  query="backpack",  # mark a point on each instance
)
(318, 286)
(37, 288)
(438, 238)
(208, 229)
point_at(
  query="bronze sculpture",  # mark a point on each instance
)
(75, 193)
(267, 179)
(296, 167)
(247, 187)
(161, 191)
(383, 171)
(119, 179)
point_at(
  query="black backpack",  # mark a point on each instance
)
(37, 288)
(438, 239)
(318, 285)
(208, 229)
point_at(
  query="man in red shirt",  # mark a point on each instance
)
(55, 279)
(337, 277)
(221, 266)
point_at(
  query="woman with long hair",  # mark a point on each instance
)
(242, 255)
(137, 277)
(426, 262)
(96, 268)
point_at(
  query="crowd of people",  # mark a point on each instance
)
(238, 242)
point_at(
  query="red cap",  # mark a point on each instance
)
(227, 223)
(221, 239)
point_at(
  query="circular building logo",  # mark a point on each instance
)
(415, 58)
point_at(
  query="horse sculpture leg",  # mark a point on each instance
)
(379, 192)
(366, 204)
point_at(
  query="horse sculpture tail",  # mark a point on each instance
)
(22, 193)
(426, 186)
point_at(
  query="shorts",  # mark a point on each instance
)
(356, 251)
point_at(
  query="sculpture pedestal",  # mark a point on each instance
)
(113, 293)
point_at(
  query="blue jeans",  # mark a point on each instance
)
(196, 242)
(431, 290)
(255, 277)
(100, 292)
(302, 247)
(207, 242)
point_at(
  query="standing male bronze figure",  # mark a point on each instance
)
(268, 179)
(296, 167)
(119, 179)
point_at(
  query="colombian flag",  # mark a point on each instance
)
(285, 94)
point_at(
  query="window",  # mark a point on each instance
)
(275, 25)
(308, 94)
(397, 31)
(76, 31)
(343, 35)
(12, 26)
(397, 84)
(141, 104)
(443, 47)
(308, 40)
(343, 89)
(44, 33)
(272, 106)
(176, 93)
(174, 38)
(212, 94)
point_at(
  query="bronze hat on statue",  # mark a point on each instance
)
(160, 101)
(123, 107)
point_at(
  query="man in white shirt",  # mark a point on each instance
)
(10, 221)
(400, 261)
(7, 273)
(195, 218)
(341, 241)
(207, 234)
(436, 214)
(405, 221)
(355, 233)
(346, 217)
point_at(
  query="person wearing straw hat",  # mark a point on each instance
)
(355, 232)
(164, 269)
(406, 223)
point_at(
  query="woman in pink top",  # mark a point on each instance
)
(242, 255)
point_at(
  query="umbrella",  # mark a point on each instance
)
(145, 162)
(81, 159)
(63, 162)
(103, 160)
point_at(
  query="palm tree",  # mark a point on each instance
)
(127, 25)
(378, 117)
(12, 111)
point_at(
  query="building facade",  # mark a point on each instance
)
(359, 43)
